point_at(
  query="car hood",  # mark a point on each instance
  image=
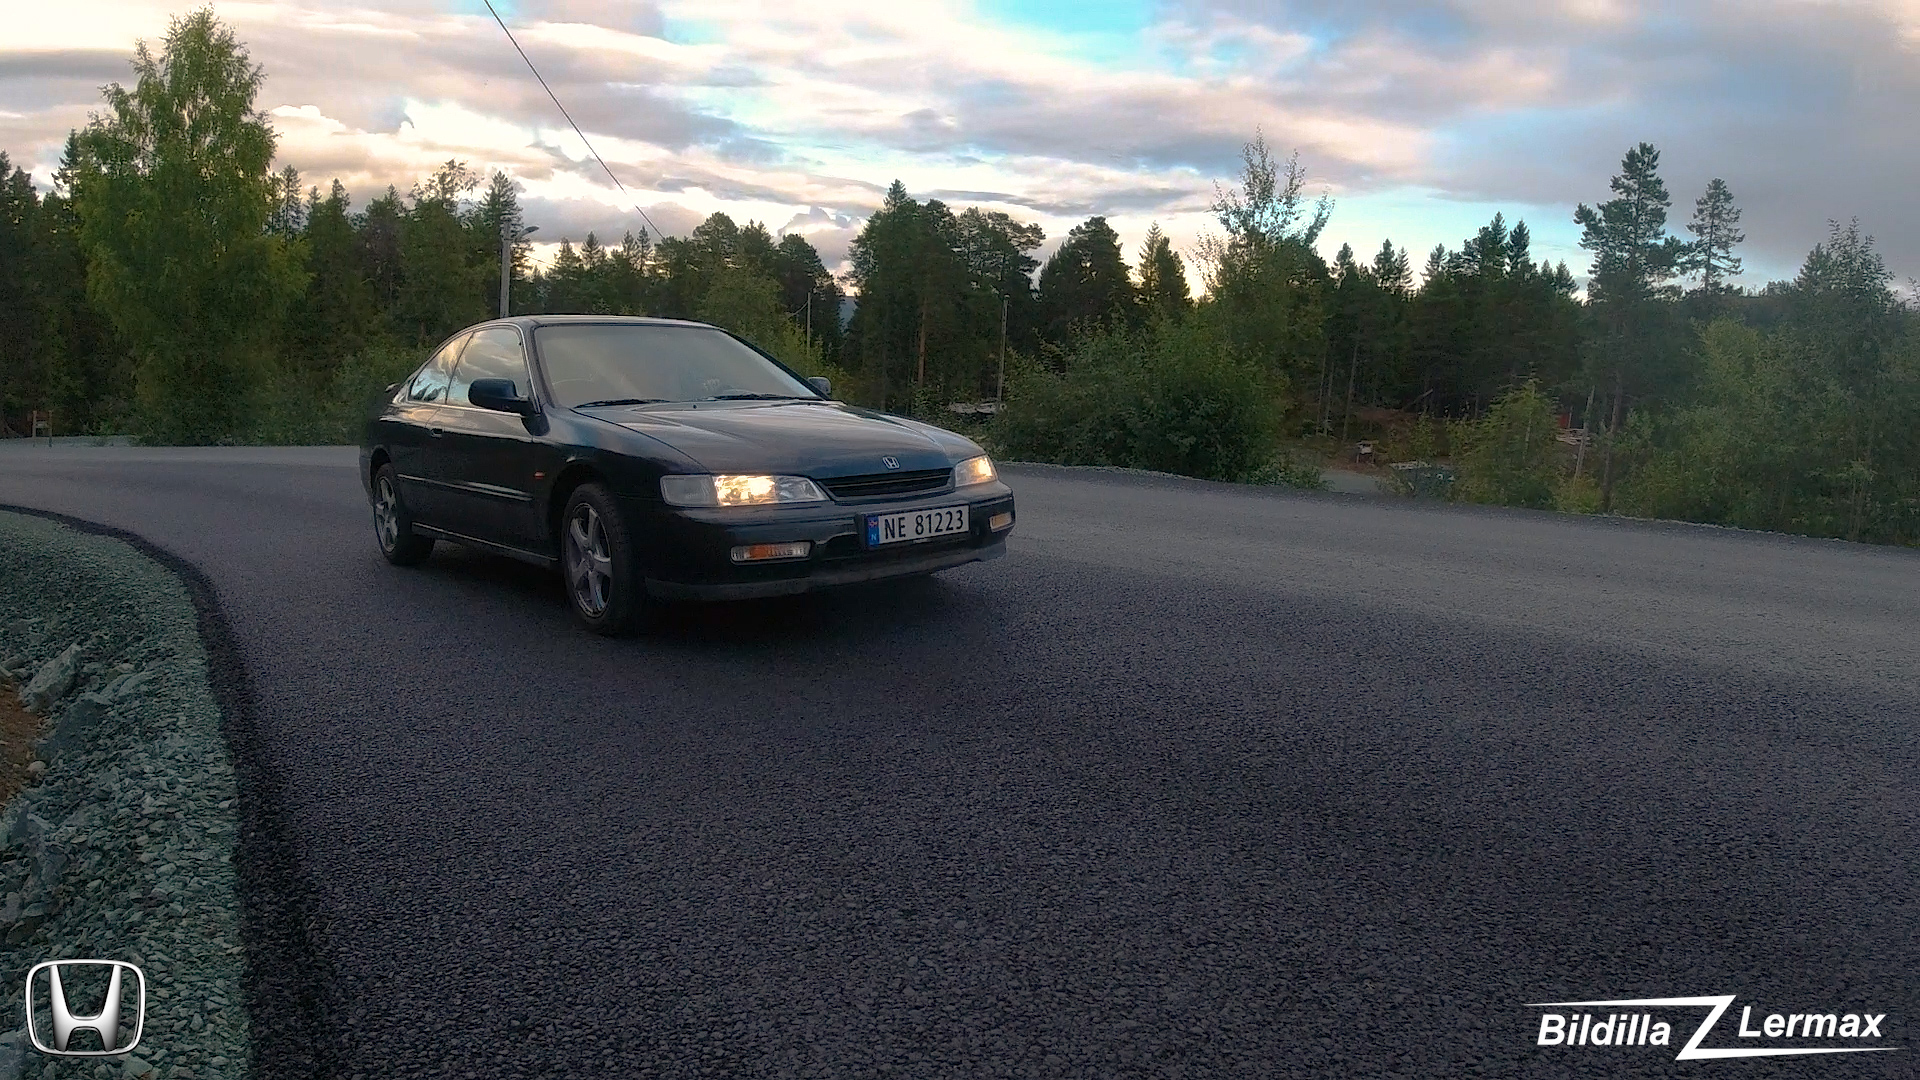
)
(806, 438)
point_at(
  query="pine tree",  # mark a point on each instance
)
(337, 316)
(23, 383)
(1391, 271)
(1085, 281)
(808, 292)
(288, 217)
(86, 367)
(997, 252)
(1163, 289)
(1633, 261)
(1519, 253)
(1716, 228)
(496, 212)
(1633, 257)
(441, 288)
(566, 281)
(630, 274)
(378, 230)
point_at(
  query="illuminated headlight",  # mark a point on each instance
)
(738, 490)
(976, 470)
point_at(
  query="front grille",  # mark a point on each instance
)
(888, 483)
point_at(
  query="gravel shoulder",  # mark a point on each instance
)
(121, 844)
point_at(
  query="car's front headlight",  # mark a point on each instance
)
(682, 490)
(975, 470)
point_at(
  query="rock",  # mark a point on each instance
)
(52, 681)
(125, 686)
(35, 768)
(137, 1069)
(72, 728)
(26, 828)
(13, 1054)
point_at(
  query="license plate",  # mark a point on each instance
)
(914, 525)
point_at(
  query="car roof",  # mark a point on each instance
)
(625, 320)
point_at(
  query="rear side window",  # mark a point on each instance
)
(491, 354)
(430, 382)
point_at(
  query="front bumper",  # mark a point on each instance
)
(690, 552)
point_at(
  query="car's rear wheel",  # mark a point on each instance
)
(597, 556)
(393, 525)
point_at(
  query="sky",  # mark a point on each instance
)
(1420, 119)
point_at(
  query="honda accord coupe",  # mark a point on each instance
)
(654, 460)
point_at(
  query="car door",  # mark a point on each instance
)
(413, 441)
(491, 454)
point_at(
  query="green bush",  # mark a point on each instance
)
(1283, 469)
(1577, 495)
(330, 410)
(1510, 456)
(1170, 399)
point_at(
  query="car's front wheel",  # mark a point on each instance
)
(597, 555)
(393, 526)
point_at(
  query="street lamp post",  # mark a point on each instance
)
(510, 234)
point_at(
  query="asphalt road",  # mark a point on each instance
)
(1197, 781)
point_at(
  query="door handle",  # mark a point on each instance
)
(435, 432)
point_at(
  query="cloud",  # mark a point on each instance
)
(1418, 115)
(1801, 106)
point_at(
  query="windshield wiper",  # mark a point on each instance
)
(621, 401)
(758, 397)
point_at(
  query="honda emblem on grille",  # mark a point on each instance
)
(105, 1023)
(890, 462)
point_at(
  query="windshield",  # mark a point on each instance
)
(607, 363)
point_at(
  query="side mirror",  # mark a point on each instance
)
(821, 384)
(499, 395)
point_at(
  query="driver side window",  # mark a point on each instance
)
(430, 384)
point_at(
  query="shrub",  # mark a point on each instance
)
(1283, 469)
(1170, 399)
(329, 409)
(1509, 456)
(1577, 495)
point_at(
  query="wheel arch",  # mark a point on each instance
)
(570, 479)
(378, 458)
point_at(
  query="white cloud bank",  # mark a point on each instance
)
(1420, 117)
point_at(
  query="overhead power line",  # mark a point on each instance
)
(569, 116)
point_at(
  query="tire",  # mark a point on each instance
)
(392, 525)
(598, 562)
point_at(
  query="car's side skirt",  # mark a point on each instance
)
(522, 554)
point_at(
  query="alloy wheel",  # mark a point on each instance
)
(589, 561)
(386, 513)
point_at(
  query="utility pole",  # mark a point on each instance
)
(809, 318)
(1586, 435)
(1353, 369)
(1000, 393)
(510, 234)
